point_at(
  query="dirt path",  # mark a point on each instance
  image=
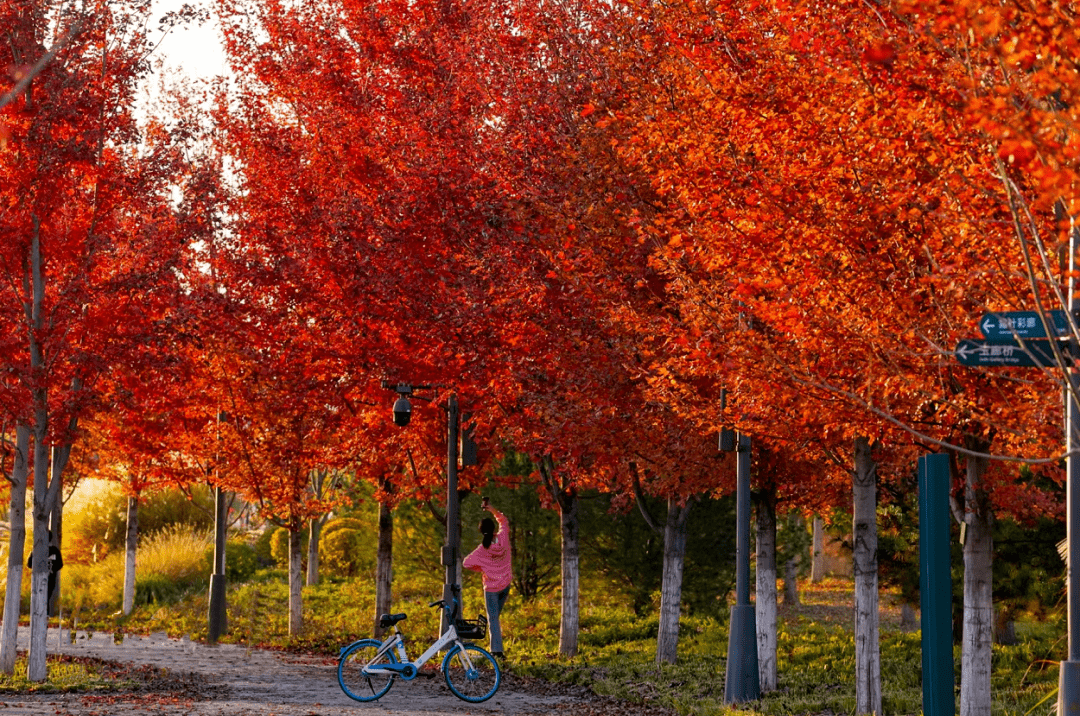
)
(226, 679)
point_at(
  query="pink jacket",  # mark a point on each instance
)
(494, 561)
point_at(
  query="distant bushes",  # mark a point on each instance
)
(169, 564)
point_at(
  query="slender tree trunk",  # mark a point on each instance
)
(296, 572)
(131, 542)
(791, 581)
(791, 567)
(765, 600)
(384, 565)
(16, 551)
(864, 559)
(34, 284)
(568, 625)
(37, 669)
(667, 641)
(56, 527)
(314, 530)
(978, 595)
(817, 567)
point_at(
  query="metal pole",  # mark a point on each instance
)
(1069, 674)
(935, 587)
(741, 682)
(450, 549)
(218, 616)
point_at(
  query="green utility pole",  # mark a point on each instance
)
(935, 587)
(741, 682)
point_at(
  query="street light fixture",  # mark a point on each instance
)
(402, 415)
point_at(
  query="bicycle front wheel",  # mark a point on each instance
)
(472, 673)
(351, 671)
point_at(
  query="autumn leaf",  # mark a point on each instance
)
(882, 53)
(1017, 152)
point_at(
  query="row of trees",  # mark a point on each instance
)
(589, 220)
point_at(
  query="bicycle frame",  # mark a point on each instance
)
(409, 669)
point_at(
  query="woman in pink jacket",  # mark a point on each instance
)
(492, 559)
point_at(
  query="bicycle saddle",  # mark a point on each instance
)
(389, 620)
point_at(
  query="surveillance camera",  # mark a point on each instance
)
(402, 411)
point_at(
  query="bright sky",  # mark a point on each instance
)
(194, 50)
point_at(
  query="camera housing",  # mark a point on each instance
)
(402, 411)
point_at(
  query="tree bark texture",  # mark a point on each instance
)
(765, 598)
(667, 641)
(131, 541)
(314, 530)
(568, 625)
(296, 573)
(384, 565)
(562, 491)
(16, 550)
(978, 595)
(791, 582)
(37, 669)
(864, 560)
(792, 565)
(36, 664)
(817, 567)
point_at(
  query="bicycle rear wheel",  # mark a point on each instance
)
(350, 672)
(475, 681)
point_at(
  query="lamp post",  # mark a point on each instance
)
(741, 681)
(217, 614)
(402, 416)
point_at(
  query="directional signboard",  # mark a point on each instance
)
(1032, 353)
(1008, 325)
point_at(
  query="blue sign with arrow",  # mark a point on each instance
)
(976, 352)
(1009, 325)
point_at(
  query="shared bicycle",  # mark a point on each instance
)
(368, 668)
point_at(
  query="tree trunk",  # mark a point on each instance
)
(562, 492)
(864, 560)
(34, 284)
(817, 568)
(791, 581)
(56, 527)
(314, 530)
(667, 641)
(16, 551)
(791, 567)
(909, 621)
(296, 571)
(37, 669)
(384, 565)
(131, 542)
(978, 598)
(568, 625)
(765, 600)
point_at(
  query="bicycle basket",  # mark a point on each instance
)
(472, 628)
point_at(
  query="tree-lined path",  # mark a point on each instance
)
(233, 680)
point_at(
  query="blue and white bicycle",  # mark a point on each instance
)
(367, 668)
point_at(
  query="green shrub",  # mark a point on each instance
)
(262, 547)
(344, 523)
(279, 547)
(157, 589)
(241, 561)
(340, 553)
